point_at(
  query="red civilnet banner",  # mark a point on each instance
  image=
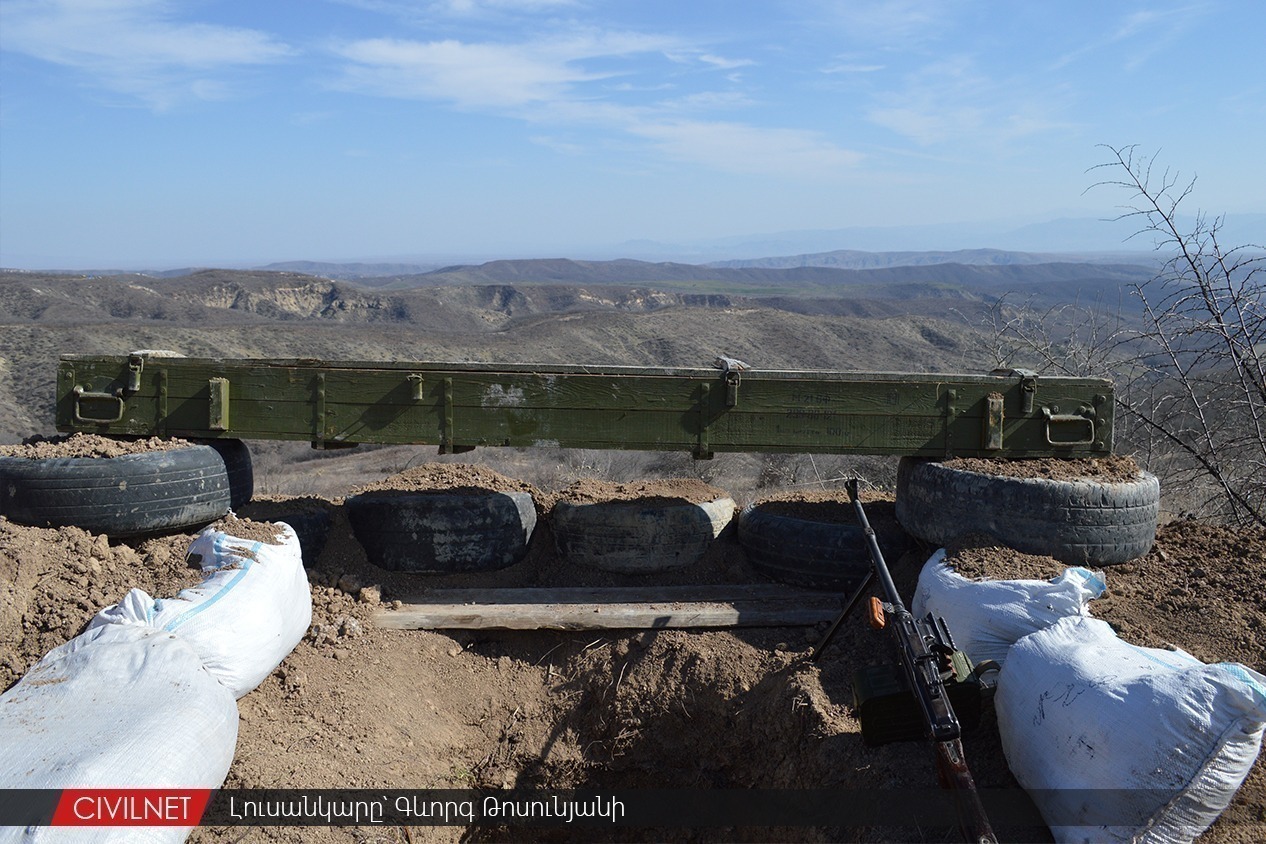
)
(131, 806)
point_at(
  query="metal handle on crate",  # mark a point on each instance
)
(1053, 418)
(81, 394)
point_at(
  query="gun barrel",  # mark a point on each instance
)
(876, 555)
(921, 646)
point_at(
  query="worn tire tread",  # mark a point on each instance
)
(802, 552)
(129, 495)
(434, 533)
(635, 538)
(1079, 522)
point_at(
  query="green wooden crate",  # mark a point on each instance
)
(457, 406)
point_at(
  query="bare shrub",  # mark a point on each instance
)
(1186, 354)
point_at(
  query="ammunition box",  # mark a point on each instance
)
(889, 711)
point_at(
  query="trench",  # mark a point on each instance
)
(602, 711)
(646, 713)
(706, 711)
(666, 710)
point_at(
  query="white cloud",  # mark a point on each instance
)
(485, 74)
(852, 67)
(547, 82)
(136, 47)
(474, 7)
(558, 145)
(709, 60)
(414, 10)
(709, 101)
(937, 103)
(629, 87)
(741, 148)
(950, 100)
(723, 63)
(1145, 34)
(1153, 32)
(470, 75)
(886, 22)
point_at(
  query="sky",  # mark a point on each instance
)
(167, 133)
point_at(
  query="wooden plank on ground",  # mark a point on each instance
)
(616, 608)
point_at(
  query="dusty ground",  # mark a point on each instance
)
(355, 706)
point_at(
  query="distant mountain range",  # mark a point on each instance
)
(1071, 237)
(351, 271)
(854, 259)
(1050, 283)
(989, 273)
(629, 271)
(1079, 240)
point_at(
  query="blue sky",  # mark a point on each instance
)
(155, 133)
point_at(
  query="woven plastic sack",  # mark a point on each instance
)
(1116, 742)
(120, 706)
(987, 617)
(244, 618)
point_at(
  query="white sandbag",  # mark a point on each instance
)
(1167, 738)
(120, 706)
(244, 618)
(986, 617)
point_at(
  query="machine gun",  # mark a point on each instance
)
(919, 700)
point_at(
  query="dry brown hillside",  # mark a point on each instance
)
(255, 314)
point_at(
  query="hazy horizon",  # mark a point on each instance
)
(149, 133)
(1062, 239)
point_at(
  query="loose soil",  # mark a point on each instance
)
(449, 479)
(265, 532)
(832, 506)
(977, 557)
(53, 580)
(667, 491)
(356, 706)
(87, 445)
(1113, 468)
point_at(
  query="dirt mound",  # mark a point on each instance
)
(266, 532)
(52, 581)
(666, 491)
(978, 557)
(831, 506)
(450, 479)
(87, 445)
(1202, 588)
(1112, 468)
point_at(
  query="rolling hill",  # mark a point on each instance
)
(555, 311)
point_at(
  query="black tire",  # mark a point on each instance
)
(310, 518)
(129, 495)
(1077, 522)
(437, 533)
(816, 554)
(238, 468)
(638, 538)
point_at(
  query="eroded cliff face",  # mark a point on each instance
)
(292, 298)
(490, 305)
